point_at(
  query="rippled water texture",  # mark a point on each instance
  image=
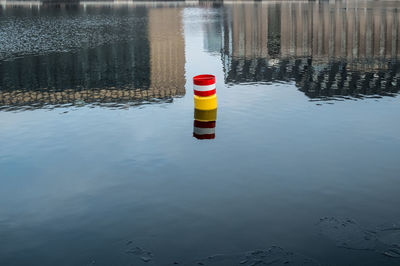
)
(104, 161)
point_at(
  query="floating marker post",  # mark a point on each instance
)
(205, 96)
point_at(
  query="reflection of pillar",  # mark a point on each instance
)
(306, 26)
(331, 33)
(362, 25)
(394, 33)
(292, 38)
(368, 37)
(356, 31)
(274, 30)
(167, 49)
(343, 35)
(227, 30)
(382, 35)
(319, 29)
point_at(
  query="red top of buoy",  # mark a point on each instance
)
(204, 80)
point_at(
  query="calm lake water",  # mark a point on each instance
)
(99, 166)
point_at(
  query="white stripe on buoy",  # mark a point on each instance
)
(204, 88)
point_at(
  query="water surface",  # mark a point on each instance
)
(99, 166)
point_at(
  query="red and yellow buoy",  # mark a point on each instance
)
(205, 93)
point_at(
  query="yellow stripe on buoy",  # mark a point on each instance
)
(205, 103)
(205, 115)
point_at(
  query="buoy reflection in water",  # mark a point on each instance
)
(204, 124)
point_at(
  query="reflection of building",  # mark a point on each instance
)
(313, 29)
(342, 48)
(167, 49)
(342, 30)
(315, 79)
(147, 65)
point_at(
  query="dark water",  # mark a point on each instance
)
(99, 166)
